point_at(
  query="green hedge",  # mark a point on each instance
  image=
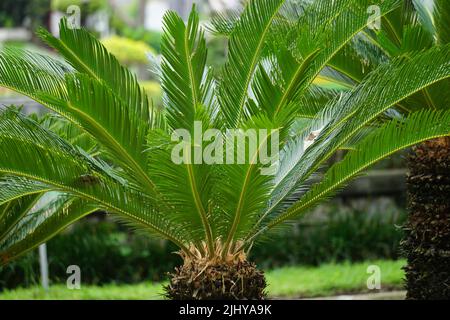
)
(106, 253)
(339, 235)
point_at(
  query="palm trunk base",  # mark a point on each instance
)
(222, 281)
(427, 231)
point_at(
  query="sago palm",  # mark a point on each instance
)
(413, 27)
(109, 149)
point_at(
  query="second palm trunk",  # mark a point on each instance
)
(427, 232)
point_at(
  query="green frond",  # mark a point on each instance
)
(40, 222)
(330, 26)
(88, 55)
(223, 24)
(322, 36)
(183, 69)
(190, 185)
(393, 23)
(244, 186)
(13, 188)
(384, 88)
(106, 98)
(312, 70)
(348, 63)
(50, 159)
(32, 74)
(14, 211)
(105, 117)
(441, 18)
(61, 167)
(385, 141)
(414, 38)
(293, 75)
(70, 132)
(244, 50)
(188, 88)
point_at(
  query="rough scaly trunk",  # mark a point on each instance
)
(232, 278)
(427, 231)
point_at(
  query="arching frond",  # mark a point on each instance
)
(183, 66)
(13, 212)
(87, 55)
(330, 26)
(105, 117)
(110, 83)
(311, 72)
(189, 184)
(187, 88)
(61, 167)
(244, 50)
(323, 30)
(441, 18)
(358, 108)
(388, 139)
(13, 188)
(40, 222)
(32, 74)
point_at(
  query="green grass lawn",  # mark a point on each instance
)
(326, 280)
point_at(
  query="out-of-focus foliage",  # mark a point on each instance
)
(106, 253)
(128, 51)
(335, 234)
(150, 37)
(90, 5)
(13, 13)
(217, 47)
(154, 91)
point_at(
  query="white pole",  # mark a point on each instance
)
(43, 262)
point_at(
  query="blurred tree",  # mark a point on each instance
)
(18, 13)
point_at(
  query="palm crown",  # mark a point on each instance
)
(107, 148)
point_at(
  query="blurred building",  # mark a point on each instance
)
(155, 9)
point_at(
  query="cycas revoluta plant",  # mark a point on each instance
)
(109, 149)
(413, 27)
(427, 232)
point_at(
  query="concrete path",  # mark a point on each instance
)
(389, 295)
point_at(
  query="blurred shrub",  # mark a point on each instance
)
(138, 33)
(128, 51)
(103, 251)
(340, 234)
(14, 12)
(395, 161)
(150, 37)
(106, 253)
(217, 48)
(154, 91)
(90, 5)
